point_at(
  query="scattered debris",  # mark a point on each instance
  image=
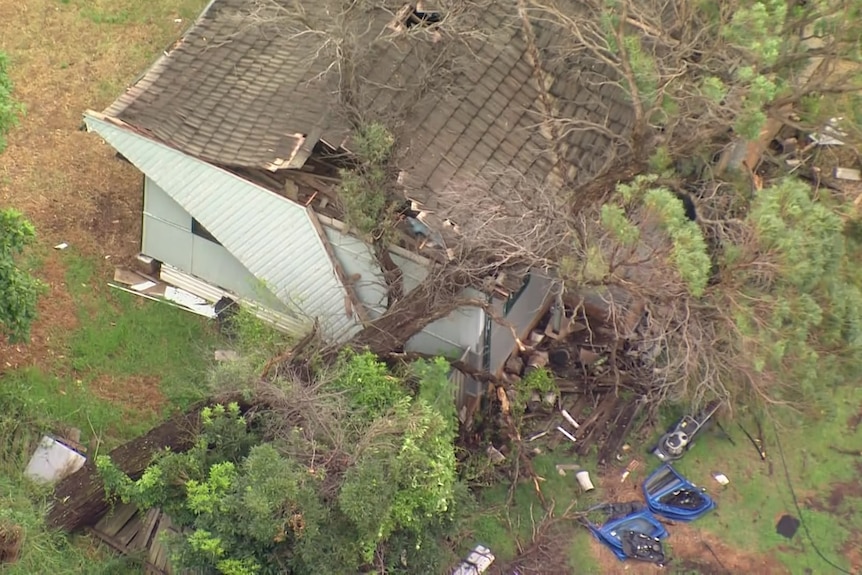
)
(721, 478)
(61, 246)
(11, 538)
(757, 443)
(567, 434)
(671, 495)
(143, 286)
(570, 419)
(563, 467)
(632, 532)
(190, 301)
(226, 355)
(53, 461)
(830, 135)
(678, 440)
(477, 562)
(787, 526)
(584, 480)
(537, 436)
(494, 455)
(847, 174)
(633, 464)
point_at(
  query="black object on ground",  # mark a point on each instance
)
(642, 547)
(787, 526)
(684, 498)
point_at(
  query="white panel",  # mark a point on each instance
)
(272, 236)
(452, 334)
(523, 313)
(357, 259)
(167, 243)
(160, 205)
(297, 326)
(216, 265)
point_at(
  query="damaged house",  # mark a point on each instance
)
(241, 127)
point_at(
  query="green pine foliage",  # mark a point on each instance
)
(643, 199)
(362, 190)
(797, 303)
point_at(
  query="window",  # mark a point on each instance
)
(202, 232)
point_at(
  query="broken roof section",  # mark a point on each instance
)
(259, 83)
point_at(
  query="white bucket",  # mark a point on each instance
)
(583, 478)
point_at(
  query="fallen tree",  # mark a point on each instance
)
(79, 499)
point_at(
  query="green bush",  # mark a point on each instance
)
(303, 501)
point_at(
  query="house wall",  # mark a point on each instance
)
(168, 237)
(523, 313)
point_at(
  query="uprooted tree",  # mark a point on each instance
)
(697, 78)
(347, 471)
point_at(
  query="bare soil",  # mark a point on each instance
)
(68, 182)
(140, 394)
(57, 317)
(11, 538)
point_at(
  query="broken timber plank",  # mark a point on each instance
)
(115, 520)
(79, 499)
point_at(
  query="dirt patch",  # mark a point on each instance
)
(854, 420)
(695, 551)
(136, 393)
(852, 550)
(839, 491)
(11, 538)
(545, 556)
(56, 318)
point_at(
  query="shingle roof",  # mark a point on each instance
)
(241, 93)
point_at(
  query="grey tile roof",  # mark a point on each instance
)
(262, 95)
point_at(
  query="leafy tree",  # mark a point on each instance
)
(263, 498)
(19, 291)
(10, 109)
(793, 294)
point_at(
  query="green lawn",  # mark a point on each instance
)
(122, 339)
(502, 528)
(750, 506)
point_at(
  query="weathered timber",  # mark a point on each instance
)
(79, 499)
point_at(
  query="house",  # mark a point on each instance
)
(241, 126)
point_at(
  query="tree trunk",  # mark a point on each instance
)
(79, 499)
(434, 298)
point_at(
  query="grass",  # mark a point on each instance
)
(124, 335)
(23, 504)
(749, 508)
(503, 527)
(121, 337)
(124, 12)
(93, 48)
(53, 403)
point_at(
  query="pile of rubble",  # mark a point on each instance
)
(590, 349)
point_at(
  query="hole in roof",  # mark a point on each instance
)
(418, 16)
